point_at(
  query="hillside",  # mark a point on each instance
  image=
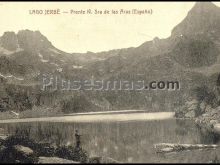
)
(191, 55)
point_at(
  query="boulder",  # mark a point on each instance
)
(55, 160)
(190, 114)
(208, 108)
(191, 105)
(100, 159)
(205, 115)
(108, 160)
(203, 106)
(216, 128)
(213, 111)
(17, 154)
(3, 138)
(95, 159)
(213, 122)
(167, 149)
(193, 101)
(25, 151)
(176, 147)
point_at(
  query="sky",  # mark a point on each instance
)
(94, 32)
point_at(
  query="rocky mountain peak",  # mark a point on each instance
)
(204, 6)
(9, 41)
(32, 40)
(28, 40)
(202, 18)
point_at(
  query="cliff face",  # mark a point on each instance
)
(204, 108)
(9, 41)
(25, 39)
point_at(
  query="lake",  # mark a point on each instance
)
(128, 137)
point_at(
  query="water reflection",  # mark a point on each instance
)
(130, 141)
(208, 137)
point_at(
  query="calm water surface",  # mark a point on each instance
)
(125, 140)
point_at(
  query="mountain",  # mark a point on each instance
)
(197, 36)
(185, 50)
(190, 55)
(202, 18)
(24, 40)
(25, 48)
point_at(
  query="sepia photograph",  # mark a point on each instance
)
(109, 82)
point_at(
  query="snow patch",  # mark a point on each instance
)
(99, 59)
(8, 52)
(11, 76)
(21, 79)
(52, 63)
(60, 69)
(54, 50)
(77, 67)
(42, 58)
(40, 55)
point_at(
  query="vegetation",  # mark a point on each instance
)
(203, 94)
(72, 153)
(33, 150)
(9, 153)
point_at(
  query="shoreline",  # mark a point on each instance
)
(116, 117)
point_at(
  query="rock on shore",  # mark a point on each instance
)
(55, 160)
